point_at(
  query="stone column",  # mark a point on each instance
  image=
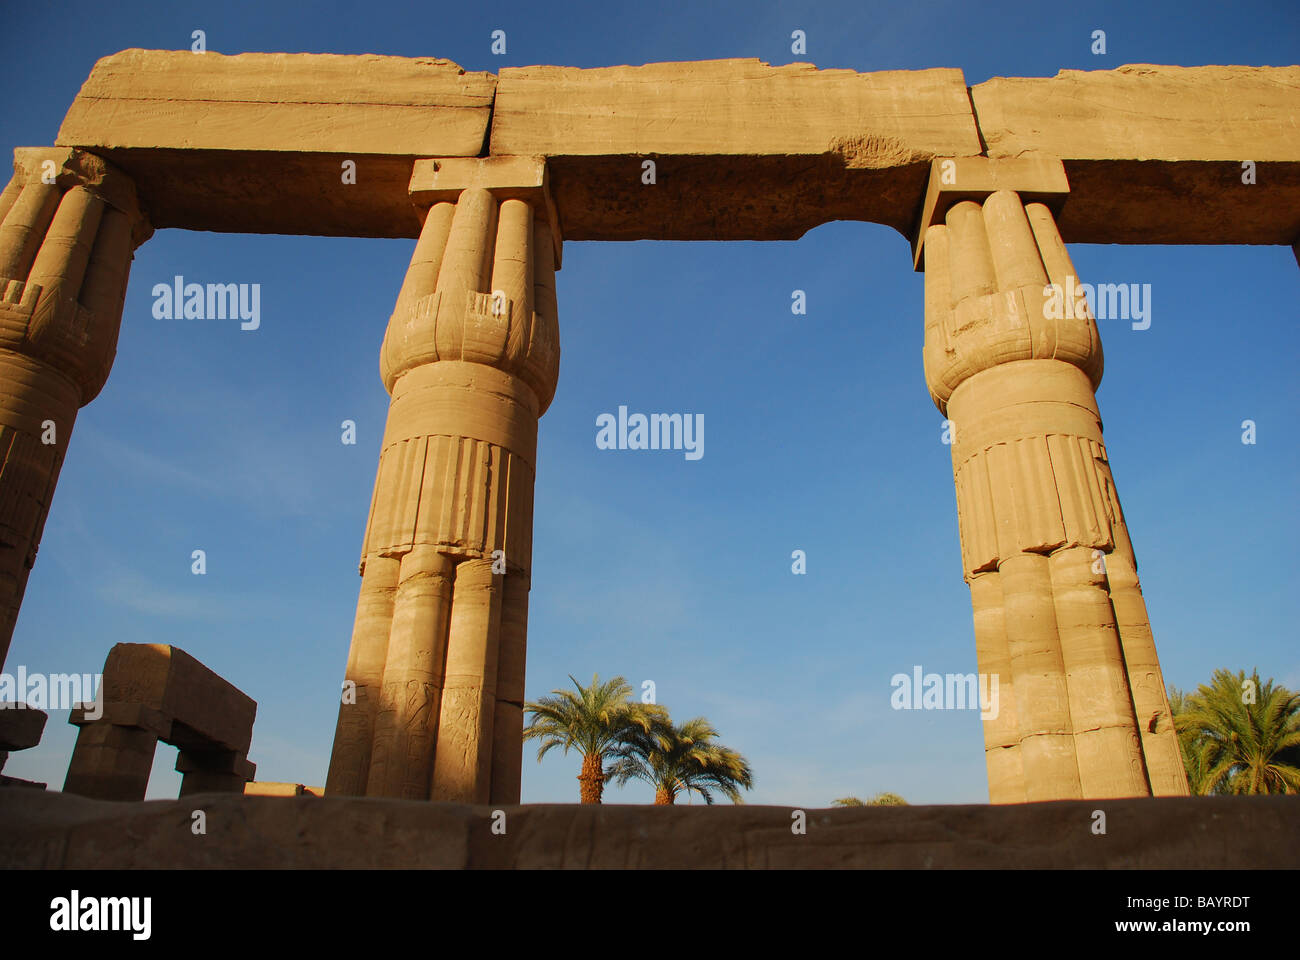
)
(471, 360)
(69, 223)
(111, 761)
(1160, 746)
(1013, 359)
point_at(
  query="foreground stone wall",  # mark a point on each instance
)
(1154, 153)
(55, 830)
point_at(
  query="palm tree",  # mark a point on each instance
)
(672, 759)
(1238, 744)
(879, 800)
(593, 721)
(1189, 742)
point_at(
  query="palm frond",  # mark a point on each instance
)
(1238, 744)
(676, 759)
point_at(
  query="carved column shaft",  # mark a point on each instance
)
(69, 223)
(471, 359)
(1016, 371)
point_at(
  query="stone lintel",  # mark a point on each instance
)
(20, 727)
(953, 179)
(163, 689)
(505, 177)
(137, 715)
(19, 782)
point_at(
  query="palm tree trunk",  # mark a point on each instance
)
(591, 782)
(664, 797)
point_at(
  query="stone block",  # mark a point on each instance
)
(45, 830)
(20, 728)
(168, 680)
(1154, 153)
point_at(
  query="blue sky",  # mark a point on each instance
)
(820, 435)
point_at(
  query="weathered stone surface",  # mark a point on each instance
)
(153, 692)
(953, 179)
(743, 150)
(203, 709)
(1144, 112)
(759, 151)
(505, 177)
(737, 107)
(1154, 153)
(265, 135)
(276, 788)
(20, 729)
(1045, 546)
(283, 102)
(782, 148)
(40, 829)
(16, 782)
(68, 224)
(471, 358)
(296, 193)
(270, 788)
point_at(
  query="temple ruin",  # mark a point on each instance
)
(491, 174)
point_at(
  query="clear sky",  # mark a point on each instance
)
(820, 435)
